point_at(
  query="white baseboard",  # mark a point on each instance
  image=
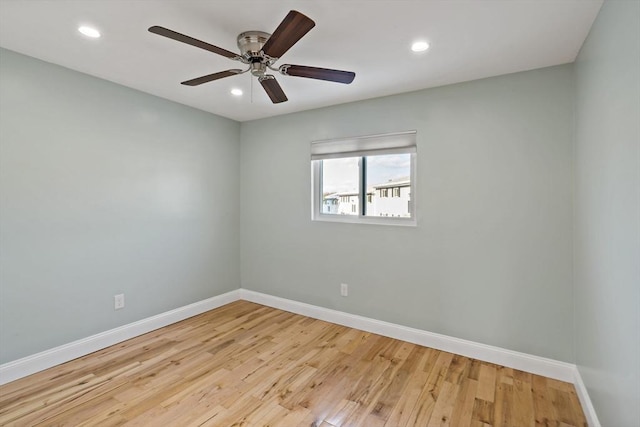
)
(40, 361)
(512, 359)
(585, 400)
(525, 362)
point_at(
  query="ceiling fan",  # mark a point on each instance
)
(260, 51)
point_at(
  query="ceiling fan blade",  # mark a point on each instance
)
(292, 28)
(337, 76)
(193, 42)
(211, 77)
(273, 89)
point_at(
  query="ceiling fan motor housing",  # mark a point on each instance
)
(250, 43)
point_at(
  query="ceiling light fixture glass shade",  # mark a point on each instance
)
(420, 46)
(89, 32)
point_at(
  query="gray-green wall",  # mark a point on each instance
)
(490, 260)
(607, 214)
(105, 190)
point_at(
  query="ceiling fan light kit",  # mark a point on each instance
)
(260, 51)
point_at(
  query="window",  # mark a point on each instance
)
(368, 179)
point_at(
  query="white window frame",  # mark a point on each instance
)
(363, 146)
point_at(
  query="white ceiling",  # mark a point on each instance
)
(470, 39)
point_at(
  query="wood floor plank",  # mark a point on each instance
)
(404, 407)
(431, 390)
(248, 365)
(523, 407)
(441, 415)
(487, 383)
(463, 406)
(389, 397)
(542, 405)
(503, 406)
(483, 411)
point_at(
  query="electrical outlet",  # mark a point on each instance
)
(118, 301)
(344, 289)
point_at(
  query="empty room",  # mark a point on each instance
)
(320, 213)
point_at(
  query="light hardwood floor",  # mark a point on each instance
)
(249, 365)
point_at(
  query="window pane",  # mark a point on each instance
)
(340, 186)
(389, 185)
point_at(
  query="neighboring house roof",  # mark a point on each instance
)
(402, 182)
(398, 183)
(338, 195)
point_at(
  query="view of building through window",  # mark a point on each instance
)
(340, 184)
(387, 182)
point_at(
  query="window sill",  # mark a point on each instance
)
(372, 220)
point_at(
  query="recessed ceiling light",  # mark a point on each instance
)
(420, 46)
(89, 32)
(236, 92)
